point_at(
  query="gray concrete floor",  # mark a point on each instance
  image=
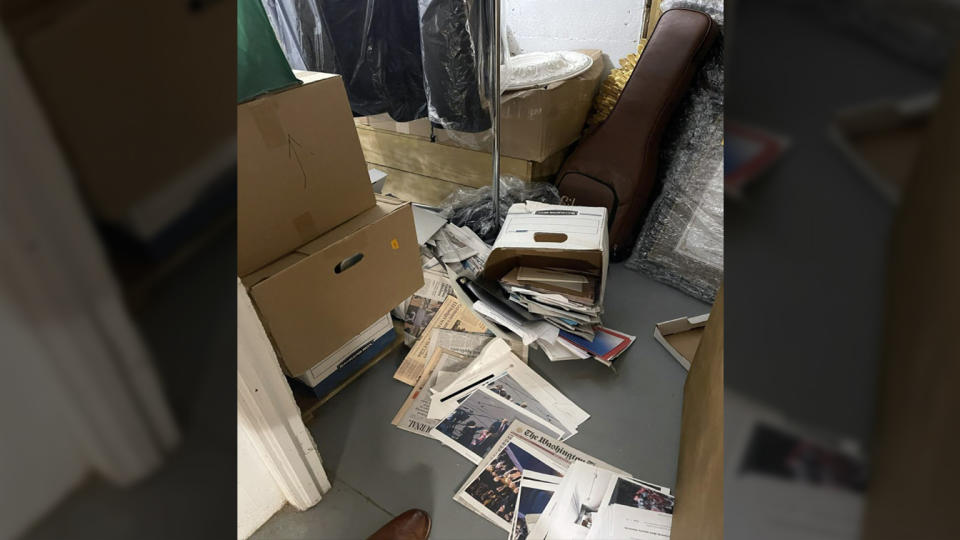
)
(379, 471)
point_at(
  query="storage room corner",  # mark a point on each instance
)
(479, 269)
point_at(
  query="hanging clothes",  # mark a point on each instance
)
(454, 36)
(375, 45)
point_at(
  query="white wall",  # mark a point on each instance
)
(258, 496)
(613, 26)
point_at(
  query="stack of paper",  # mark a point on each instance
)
(569, 301)
(460, 250)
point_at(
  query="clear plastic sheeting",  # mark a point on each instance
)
(681, 243)
(541, 68)
(713, 8)
(454, 35)
(473, 208)
(374, 46)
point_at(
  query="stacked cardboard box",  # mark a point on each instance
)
(537, 128)
(323, 258)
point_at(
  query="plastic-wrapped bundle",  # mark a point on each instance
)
(374, 46)
(681, 243)
(473, 208)
(454, 35)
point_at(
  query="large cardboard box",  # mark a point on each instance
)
(328, 291)
(301, 170)
(534, 123)
(551, 236)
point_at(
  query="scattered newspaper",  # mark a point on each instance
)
(524, 448)
(461, 250)
(452, 315)
(449, 353)
(424, 304)
(501, 372)
(412, 415)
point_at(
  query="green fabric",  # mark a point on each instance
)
(261, 65)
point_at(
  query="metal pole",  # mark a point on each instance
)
(495, 108)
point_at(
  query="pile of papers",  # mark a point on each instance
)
(473, 392)
(460, 250)
(556, 311)
(479, 399)
(472, 388)
(570, 302)
(534, 486)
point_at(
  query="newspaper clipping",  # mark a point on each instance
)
(452, 315)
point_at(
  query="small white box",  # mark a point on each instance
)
(681, 337)
(551, 236)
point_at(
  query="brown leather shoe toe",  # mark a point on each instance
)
(410, 525)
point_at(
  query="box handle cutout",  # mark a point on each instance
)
(347, 263)
(549, 237)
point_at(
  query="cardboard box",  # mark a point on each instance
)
(147, 130)
(698, 514)
(317, 298)
(301, 170)
(328, 373)
(534, 123)
(551, 236)
(681, 337)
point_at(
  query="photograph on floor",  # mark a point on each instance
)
(478, 422)
(494, 492)
(532, 499)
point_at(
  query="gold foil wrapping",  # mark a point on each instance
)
(611, 87)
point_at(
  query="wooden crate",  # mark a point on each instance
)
(426, 172)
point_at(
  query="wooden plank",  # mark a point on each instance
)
(416, 155)
(417, 188)
(309, 403)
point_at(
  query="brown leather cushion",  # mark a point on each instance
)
(615, 166)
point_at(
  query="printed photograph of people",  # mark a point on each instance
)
(635, 495)
(479, 421)
(531, 502)
(512, 391)
(496, 488)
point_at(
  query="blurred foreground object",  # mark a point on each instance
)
(123, 85)
(80, 392)
(916, 442)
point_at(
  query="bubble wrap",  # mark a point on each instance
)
(473, 207)
(681, 243)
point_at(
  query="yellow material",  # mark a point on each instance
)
(612, 86)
